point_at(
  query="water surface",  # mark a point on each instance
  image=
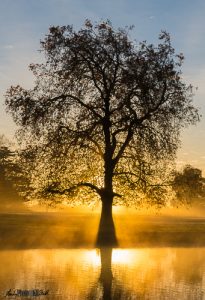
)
(163, 260)
(146, 273)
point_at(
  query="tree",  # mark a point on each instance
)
(189, 185)
(14, 185)
(104, 112)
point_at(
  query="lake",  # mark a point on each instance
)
(164, 259)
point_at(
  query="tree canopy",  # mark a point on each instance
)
(104, 115)
(189, 185)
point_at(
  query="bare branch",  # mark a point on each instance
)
(76, 186)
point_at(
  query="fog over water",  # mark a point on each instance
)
(159, 256)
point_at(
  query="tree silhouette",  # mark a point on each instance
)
(104, 113)
(14, 186)
(189, 185)
(6, 187)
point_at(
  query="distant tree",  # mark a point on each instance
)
(14, 185)
(5, 184)
(189, 185)
(102, 108)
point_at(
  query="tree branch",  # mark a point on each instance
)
(85, 134)
(154, 109)
(78, 100)
(100, 152)
(78, 185)
(93, 76)
(124, 145)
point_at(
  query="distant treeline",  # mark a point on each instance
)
(14, 184)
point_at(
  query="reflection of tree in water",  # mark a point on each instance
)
(107, 287)
(152, 281)
(106, 276)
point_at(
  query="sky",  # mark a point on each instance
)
(23, 23)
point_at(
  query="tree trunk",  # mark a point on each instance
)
(106, 233)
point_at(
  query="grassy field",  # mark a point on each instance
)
(78, 230)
